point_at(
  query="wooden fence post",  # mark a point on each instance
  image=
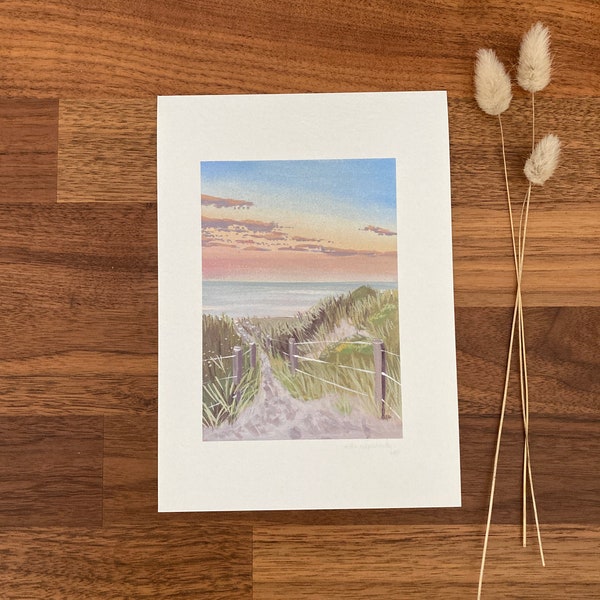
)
(379, 368)
(238, 369)
(252, 355)
(293, 359)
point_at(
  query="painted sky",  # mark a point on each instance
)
(309, 220)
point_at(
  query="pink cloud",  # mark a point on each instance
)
(298, 238)
(224, 202)
(237, 225)
(211, 243)
(378, 230)
(332, 251)
(257, 249)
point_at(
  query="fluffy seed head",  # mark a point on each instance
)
(492, 83)
(543, 160)
(535, 62)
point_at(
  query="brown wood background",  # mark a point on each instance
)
(78, 300)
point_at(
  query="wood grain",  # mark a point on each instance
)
(107, 151)
(421, 562)
(97, 388)
(562, 260)
(28, 150)
(128, 562)
(75, 50)
(86, 278)
(51, 471)
(78, 385)
(562, 354)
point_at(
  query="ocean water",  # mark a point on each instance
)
(273, 299)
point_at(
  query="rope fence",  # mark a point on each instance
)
(337, 385)
(324, 362)
(380, 376)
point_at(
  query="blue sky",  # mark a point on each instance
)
(365, 188)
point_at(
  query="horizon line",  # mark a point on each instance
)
(300, 281)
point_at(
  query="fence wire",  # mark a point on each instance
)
(337, 385)
(359, 342)
(217, 358)
(354, 368)
(324, 362)
(391, 378)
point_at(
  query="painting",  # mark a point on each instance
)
(306, 350)
(300, 325)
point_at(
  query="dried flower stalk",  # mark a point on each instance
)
(492, 83)
(493, 95)
(535, 62)
(542, 163)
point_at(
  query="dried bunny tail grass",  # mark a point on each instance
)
(535, 62)
(492, 83)
(542, 163)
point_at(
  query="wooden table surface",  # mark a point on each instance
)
(78, 299)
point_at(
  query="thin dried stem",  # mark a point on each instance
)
(524, 393)
(508, 363)
(532, 121)
(510, 213)
(497, 454)
(527, 473)
(535, 512)
(523, 357)
(518, 256)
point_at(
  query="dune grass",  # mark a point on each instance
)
(370, 315)
(222, 399)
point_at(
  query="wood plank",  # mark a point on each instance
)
(562, 359)
(406, 561)
(108, 154)
(51, 471)
(78, 289)
(476, 151)
(132, 562)
(561, 266)
(28, 150)
(92, 390)
(564, 454)
(107, 151)
(251, 46)
(115, 139)
(94, 378)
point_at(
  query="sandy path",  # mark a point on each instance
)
(276, 415)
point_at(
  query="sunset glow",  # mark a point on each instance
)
(322, 220)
